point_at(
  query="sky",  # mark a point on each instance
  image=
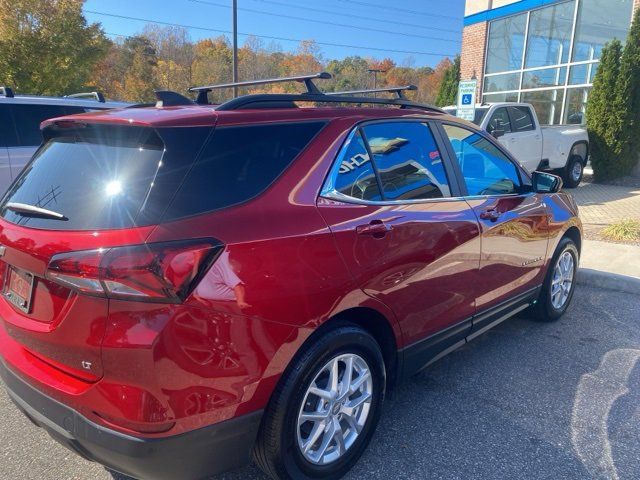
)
(411, 32)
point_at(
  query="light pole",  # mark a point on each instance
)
(235, 46)
(375, 72)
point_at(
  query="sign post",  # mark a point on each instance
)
(466, 108)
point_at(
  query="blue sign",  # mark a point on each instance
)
(467, 99)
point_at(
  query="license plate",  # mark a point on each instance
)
(19, 289)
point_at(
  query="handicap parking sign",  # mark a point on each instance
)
(466, 99)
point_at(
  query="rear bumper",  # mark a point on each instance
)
(191, 455)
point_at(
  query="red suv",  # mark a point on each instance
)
(187, 285)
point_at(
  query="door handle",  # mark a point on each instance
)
(490, 214)
(375, 228)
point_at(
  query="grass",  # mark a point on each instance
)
(627, 230)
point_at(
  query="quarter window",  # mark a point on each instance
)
(354, 175)
(408, 161)
(486, 170)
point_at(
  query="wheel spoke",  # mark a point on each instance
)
(354, 404)
(324, 394)
(358, 382)
(326, 441)
(353, 423)
(339, 436)
(312, 417)
(316, 431)
(347, 376)
(333, 377)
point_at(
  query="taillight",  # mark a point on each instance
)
(155, 272)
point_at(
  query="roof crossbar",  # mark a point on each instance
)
(6, 92)
(397, 90)
(97, 96)
(306, 79)
(267, 100)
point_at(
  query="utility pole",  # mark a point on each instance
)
(235, 46)
(375, 72)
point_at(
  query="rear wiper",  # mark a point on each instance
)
(26, 209)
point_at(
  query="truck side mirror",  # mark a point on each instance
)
(544, 182)
(497, 132)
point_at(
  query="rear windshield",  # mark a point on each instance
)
(97, 178)
(239, 163)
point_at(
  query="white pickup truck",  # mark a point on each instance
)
(563, 149)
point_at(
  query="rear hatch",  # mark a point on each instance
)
(89, 190)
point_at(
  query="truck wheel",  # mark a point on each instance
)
(573, 171)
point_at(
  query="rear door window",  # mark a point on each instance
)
(98, 177)
(408, 161)
(238, 164)
(522, 119)
(7, 129)
(28, 117)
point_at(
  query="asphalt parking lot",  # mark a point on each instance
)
(526, 400)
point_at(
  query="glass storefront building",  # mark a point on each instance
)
(548, 55)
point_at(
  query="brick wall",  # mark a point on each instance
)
(636, 5)
(473, 54)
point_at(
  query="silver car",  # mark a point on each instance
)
(20, 117)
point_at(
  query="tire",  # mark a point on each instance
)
(573, 171)
(278, 450)
(547, 308)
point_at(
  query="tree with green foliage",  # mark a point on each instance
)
(449, 87)
(628, 99)
(603, 122)
(47, 47)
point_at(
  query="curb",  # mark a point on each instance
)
(609, 281)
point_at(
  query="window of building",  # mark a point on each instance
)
(499, 83)
(549, 35)
(547, 77)
(486, 170)
(506, 43)
(547, 103)
(576, 105)
(530, 54)
(600, 21)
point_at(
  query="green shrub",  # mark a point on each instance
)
(448, 92)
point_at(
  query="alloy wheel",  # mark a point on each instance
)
(562, 281)
(335, 409)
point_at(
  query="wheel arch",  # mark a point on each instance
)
(580, 148)
(574, 234)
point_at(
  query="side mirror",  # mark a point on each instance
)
(544, 182)
(497, 132)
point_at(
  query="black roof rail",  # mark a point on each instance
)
(286, 100)
(167, 98)
(397, 90)
(306, 79)
(6, 92)
(97, 96)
